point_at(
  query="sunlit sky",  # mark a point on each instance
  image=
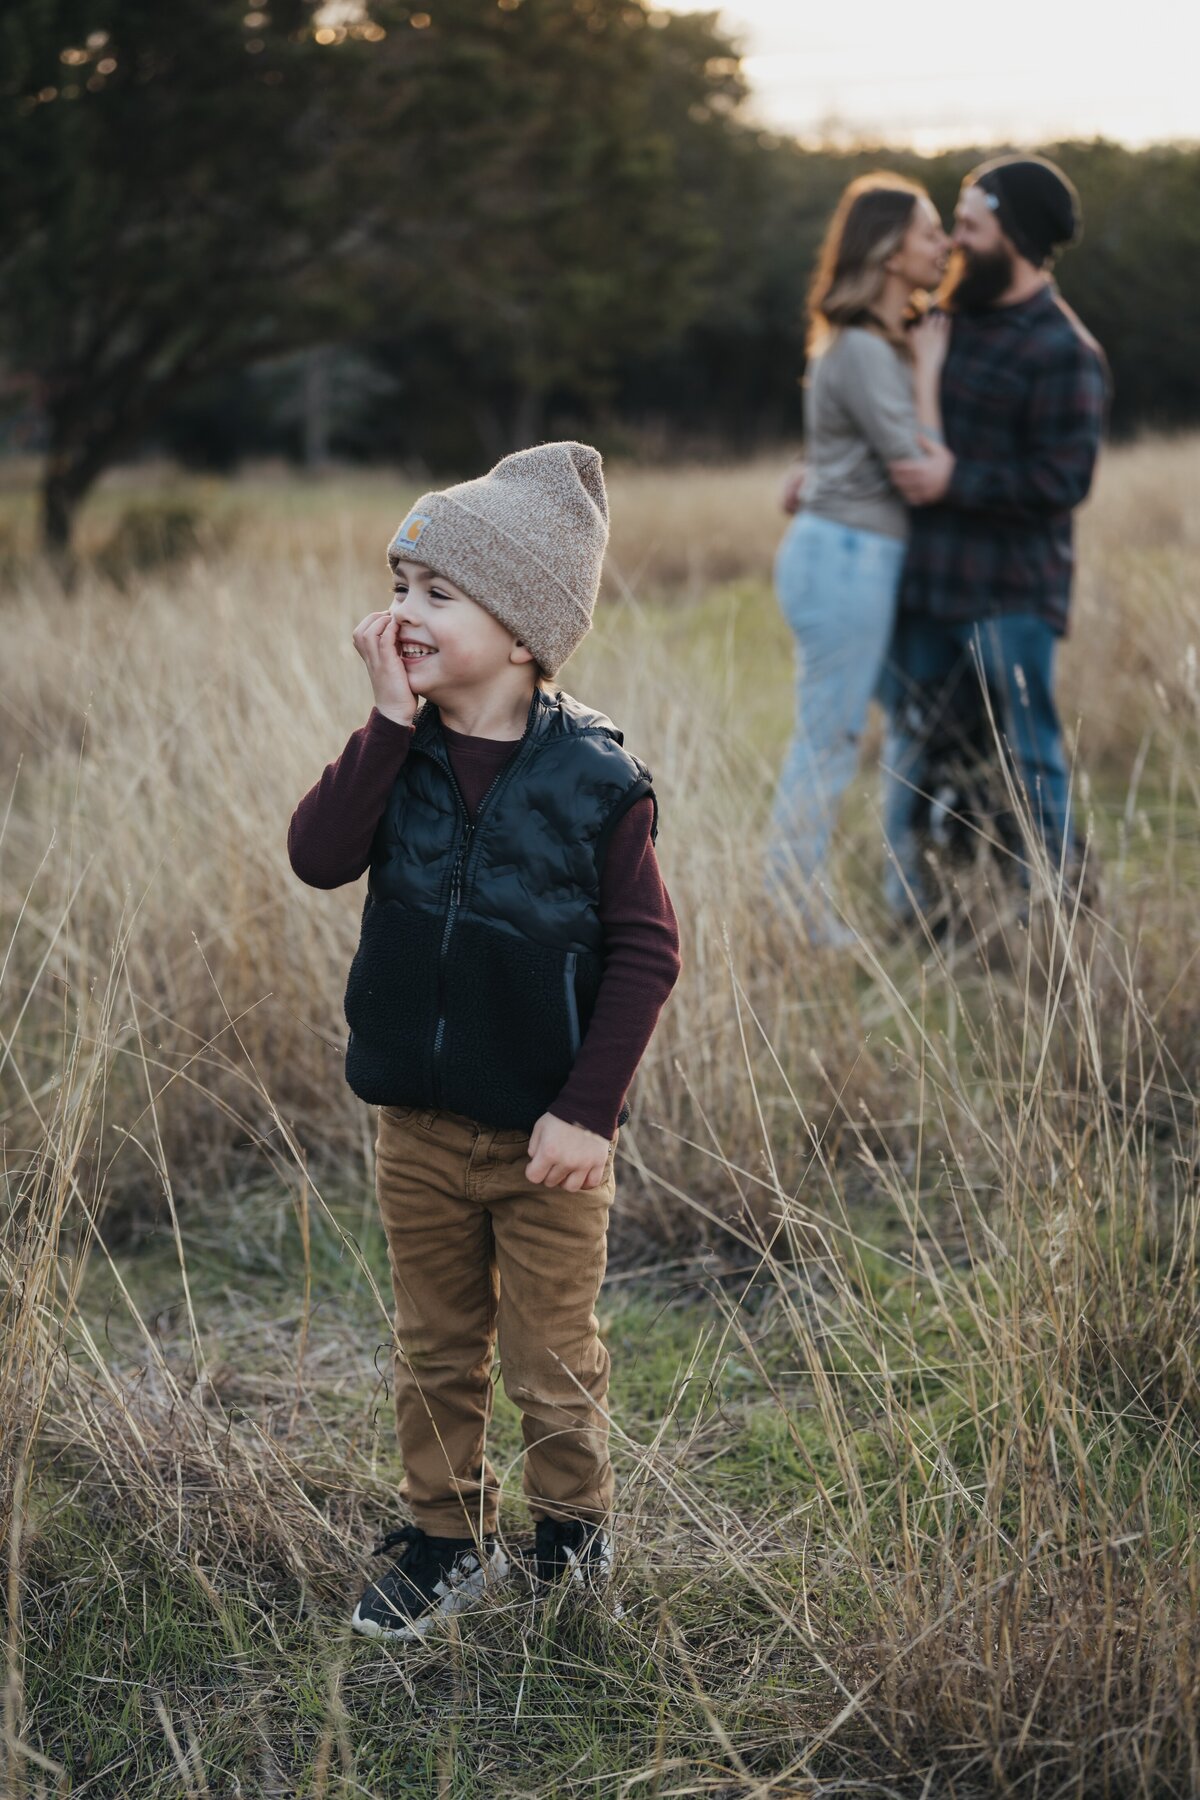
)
(943, 73)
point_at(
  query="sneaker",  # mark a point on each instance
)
(432, 1577)
(573, 1551)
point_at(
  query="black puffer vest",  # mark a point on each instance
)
(481, 949)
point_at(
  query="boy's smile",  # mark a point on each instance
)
(418, 598)
(411, 651)
(457, 653)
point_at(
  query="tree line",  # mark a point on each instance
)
(387, 232)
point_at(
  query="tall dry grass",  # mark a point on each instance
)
(964, 1176)
(157, 739)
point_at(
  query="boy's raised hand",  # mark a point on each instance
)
(566, 1156)
(376, 640)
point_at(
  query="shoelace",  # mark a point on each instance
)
(413, 1539)
(417, 1549)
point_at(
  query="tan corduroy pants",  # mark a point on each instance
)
(477, 1253)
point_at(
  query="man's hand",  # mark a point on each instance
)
(375, 639)
(566, 1156)
(921, 480)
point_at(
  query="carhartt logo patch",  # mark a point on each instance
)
(412, 528)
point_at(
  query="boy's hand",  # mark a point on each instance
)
(566, 1156)
(376, 642)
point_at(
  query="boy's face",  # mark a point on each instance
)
(447, 641)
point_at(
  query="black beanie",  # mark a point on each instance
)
(1036, 204)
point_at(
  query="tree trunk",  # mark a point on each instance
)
(61, 495)
(513, 422)
(489, 429)
(528, 418)
(71, 471)
(316, 409)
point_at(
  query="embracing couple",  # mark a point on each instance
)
(930, 556)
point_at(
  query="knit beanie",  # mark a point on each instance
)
(1036, 204)
(526, 541)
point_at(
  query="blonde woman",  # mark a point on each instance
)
(871, 387)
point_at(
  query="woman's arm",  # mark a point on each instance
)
(923, 479)
(929, 340)
(874, 385)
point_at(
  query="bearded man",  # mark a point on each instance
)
(986, 589)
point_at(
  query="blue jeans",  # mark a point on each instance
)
(837, 590)
(1016, 655)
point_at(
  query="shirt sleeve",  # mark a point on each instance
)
(641, 966)
(875, 386)
(329, 838)
(1064, 423)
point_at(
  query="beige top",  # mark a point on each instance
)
(859, 415)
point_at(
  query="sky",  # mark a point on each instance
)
(1023, 72)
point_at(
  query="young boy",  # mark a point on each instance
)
(517, 946)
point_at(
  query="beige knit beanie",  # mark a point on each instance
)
(526, 541)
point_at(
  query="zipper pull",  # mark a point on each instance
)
(456, 878)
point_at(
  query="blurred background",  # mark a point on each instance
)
(904, 1263)
(380, 234)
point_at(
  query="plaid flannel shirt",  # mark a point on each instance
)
(1024, 396)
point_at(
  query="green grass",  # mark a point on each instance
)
(258, 1664)
(260, 1668)
(158, 1657)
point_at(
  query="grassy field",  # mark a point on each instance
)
(903, 1303)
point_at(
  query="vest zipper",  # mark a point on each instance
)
(569, 965)
(456, 888)
(455, 898)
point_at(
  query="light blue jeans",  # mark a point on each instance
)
(837, 590)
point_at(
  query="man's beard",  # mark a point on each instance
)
(975, 281)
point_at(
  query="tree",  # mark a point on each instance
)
(171, 188)
(1134, 275)
(582, 233)
(199, 186)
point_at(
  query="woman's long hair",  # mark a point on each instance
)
(868, 227)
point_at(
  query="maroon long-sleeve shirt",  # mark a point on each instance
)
(329, 844)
